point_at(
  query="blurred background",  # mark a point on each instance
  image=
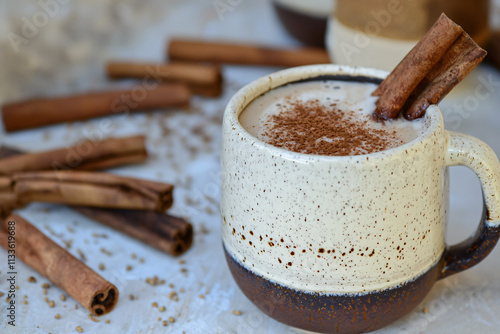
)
(60, 47)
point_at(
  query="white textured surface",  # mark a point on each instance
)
(67, 55)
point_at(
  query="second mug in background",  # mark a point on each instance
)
(305, 20)
(379, 33)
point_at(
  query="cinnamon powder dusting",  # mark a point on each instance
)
(312, 128)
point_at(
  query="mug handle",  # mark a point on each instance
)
(468, 151)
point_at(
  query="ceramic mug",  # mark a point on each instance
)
(346, 244)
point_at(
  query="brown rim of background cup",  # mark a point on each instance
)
(308, 29)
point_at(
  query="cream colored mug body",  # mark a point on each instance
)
(329, 243)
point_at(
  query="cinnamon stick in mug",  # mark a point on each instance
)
(441, 60)
(169, 234)
(87, 155)
(100, 190)
(244, 54)
(64, 270)
(45, 111)
(202, 79)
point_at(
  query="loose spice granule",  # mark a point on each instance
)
(173, 295)
(155, 281)
(94, 319)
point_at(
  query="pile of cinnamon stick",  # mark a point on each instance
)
(194, 68)
(133, 206)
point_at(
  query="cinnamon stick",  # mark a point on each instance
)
(64, 270)
(8, 199)
(456, 64)
(202, 79)
(45, 111)
(243, 54)
(443, 58)
(87, 155)
(100, 190)
(166, 233)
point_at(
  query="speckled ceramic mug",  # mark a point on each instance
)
(346, 244)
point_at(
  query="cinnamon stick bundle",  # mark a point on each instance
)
(166, 233)
(202, 79)
(88, 155)
(243, 54)
(441, 60)
(64, 270)
(45, 111)
(100, 190)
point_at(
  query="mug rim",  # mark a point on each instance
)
(238, 103)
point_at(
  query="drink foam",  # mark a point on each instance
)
(329, 117)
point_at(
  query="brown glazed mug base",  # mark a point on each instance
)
(326, 313)
(308, 29)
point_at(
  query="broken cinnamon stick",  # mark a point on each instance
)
(202, 79)
(46, 111)
(243, 54)
(100, 190)
(166, 233)
(442, 59)
(64, 270)
(87, 155)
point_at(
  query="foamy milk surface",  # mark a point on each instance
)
(352, 97)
